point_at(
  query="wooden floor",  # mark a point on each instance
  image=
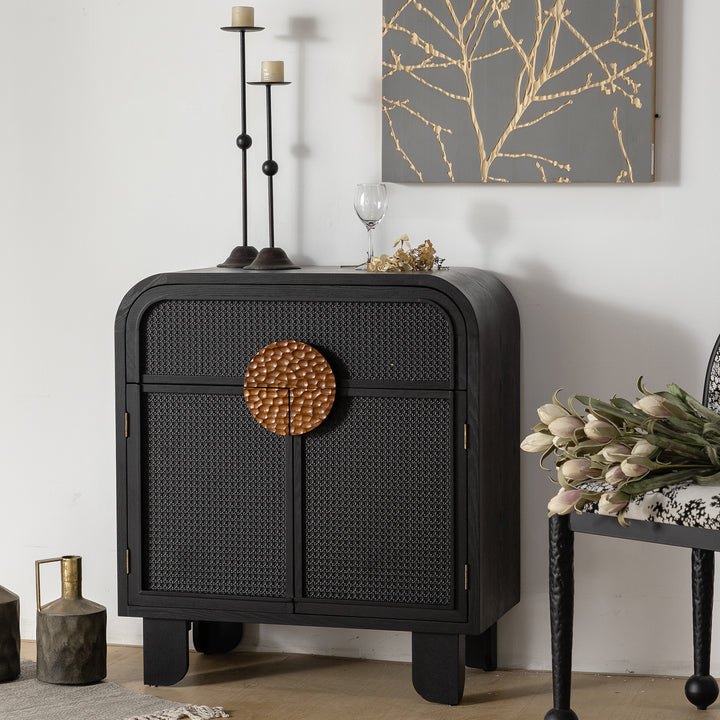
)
(262, 686)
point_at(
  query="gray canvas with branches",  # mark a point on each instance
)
(518, 90)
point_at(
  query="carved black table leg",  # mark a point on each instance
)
(562, 593)
(481, 650)
(165, 651)
(214, 638)
(702, 689)
(438, 667)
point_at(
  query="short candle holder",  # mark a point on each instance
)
(244, 254)
(271, 258)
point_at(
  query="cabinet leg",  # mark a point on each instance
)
(165, 651)
(702, 689)
(438, 667)
(481, 650)
(215, 638)
(562, 596)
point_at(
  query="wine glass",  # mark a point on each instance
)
(370, 205)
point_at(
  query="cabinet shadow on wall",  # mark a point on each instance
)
(592, 346)
(596, 346)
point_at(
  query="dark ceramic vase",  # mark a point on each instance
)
(9, 635)
(71, 644)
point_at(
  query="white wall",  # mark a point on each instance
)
(117, 160)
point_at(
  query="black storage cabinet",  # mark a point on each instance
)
(399, 512)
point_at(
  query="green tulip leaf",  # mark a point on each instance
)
(713, 479)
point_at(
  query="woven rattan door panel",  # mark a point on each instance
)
(213, 491)
(380, 487)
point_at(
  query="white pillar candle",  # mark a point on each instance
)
(243, 17)
(272, 71)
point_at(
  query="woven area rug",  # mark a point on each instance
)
(29, 699)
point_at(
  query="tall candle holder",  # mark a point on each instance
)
(271, 257)
(244, 254)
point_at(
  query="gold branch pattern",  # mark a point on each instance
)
(628, 173)
(440, 54)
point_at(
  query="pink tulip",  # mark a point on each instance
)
(564, 502)
(653, 405)
(615, 452)
(537, 442)
(577, 469)
(565, 427)
(643, 448)
(615, 475)
(631, 469)
(600, 431)
(549, 412)
(611, 503)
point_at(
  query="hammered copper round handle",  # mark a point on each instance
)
(289, 387)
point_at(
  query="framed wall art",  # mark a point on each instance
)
(518, 90)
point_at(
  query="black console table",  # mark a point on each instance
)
(398, 512)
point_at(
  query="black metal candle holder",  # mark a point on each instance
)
(244, 254)
(271, 258)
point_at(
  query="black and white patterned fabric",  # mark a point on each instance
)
(686, 504)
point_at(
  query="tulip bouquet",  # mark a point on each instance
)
(622, 449)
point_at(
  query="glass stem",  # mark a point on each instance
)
(371, 245)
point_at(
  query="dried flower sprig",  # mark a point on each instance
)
(407, 259)
(624, 449)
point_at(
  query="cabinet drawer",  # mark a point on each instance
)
(403, 342)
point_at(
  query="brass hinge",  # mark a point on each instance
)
(127, 424)
(127, 561)
(466, 576)
(465, 436)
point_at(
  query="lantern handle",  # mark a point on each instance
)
(37, 575)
